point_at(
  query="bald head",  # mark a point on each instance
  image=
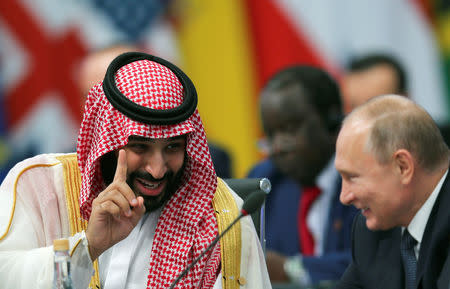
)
(93, 67)
(394, 122)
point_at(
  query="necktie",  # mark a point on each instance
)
(309, 195)
(409, 259)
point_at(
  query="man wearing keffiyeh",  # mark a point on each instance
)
(149, 201)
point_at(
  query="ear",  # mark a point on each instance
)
(404, 162)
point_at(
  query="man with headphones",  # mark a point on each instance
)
(307, 228)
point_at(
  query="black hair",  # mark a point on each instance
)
(321, 89)
(108, 165)
(369, 61)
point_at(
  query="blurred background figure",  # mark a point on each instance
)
(92, 67)
(376, 74)
(307, 228)
(221, 160)
(229, 47)
(371, 75)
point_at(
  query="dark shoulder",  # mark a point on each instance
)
(264, 168)
(367, 243)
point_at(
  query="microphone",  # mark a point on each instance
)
(249, 184)
(252, 203)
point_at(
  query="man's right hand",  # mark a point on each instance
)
(115, 212)
(275, 267)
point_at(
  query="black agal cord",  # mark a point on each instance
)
(142, 113)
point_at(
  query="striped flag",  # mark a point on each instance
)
(228, 47)
(4, 150)
(232, 47)
(43, 43)
(441, 14)
(215, 53)
(328, 33)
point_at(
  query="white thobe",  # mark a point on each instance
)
(33, 213)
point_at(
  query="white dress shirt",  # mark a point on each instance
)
(419, 222)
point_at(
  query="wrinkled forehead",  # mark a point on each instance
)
(150, 84)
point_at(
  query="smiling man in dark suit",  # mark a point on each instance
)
(394, 167)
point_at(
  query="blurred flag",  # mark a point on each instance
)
(442, 21)
(43, 42)
(228, 47)
(231, 48)
(215, 52)
(4, 151)
(328, 33)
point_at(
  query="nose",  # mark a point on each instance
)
(274, 147)
(156, 165)
(281, 142)
(347, 197)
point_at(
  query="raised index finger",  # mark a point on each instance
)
(121, 169)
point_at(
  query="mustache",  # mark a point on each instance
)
(285, 148)
(152, 203)
(148, 177)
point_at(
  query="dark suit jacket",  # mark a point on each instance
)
(281, 225)
(376, 261)
(221, 160)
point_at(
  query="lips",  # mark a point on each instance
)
(149, 185)
(365, 211)
(149, 188)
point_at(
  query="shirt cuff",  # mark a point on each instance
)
(81, 266)
(294, 268)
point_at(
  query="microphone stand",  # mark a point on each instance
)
(251, 204)
(213, 243)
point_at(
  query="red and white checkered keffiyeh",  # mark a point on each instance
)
(187, 224)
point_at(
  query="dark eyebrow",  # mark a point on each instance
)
(146, 139)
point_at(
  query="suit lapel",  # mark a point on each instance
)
(435, 242)
(443, 281)
(392, 264)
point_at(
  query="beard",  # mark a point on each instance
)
(108, 164)
(152, 203)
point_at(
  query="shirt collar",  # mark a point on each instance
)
(417, 225)
(326, 180)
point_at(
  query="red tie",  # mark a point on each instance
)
(308, 196)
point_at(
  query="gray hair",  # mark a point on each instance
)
(395, 123)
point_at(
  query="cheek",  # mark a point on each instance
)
(388, 186)
(133, 161)
(362, 189)
(176, 161)
(384, 198)
(284, 141)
